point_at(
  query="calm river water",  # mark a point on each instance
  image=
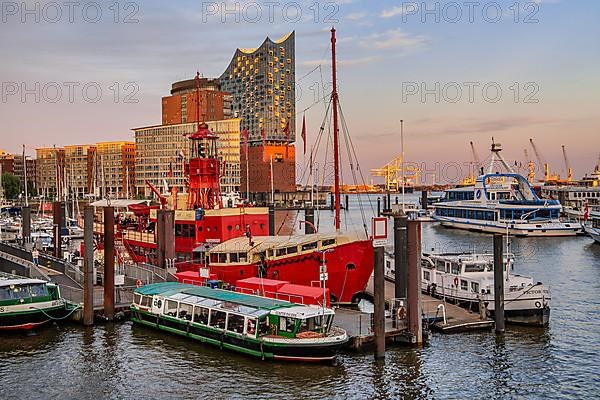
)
(124, 362)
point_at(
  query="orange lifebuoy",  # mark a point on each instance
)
(138, 283)
(456, 281)
(401, 313)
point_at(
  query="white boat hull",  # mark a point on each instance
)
(529, 230)
(594, 233)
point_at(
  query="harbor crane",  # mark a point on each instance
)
(392, 173)
(475, 166)
(547, 177)
(567, 165)
(530, 168)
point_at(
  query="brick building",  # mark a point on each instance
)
(115, 169)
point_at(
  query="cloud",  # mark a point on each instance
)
(356, 16)
(392, 12)
(394, 38)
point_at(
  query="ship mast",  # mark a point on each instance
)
(336, 156)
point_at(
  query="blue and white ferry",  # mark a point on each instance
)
(503, 203)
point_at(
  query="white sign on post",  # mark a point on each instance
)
(204, 272)
(324, 276)
(379, 231)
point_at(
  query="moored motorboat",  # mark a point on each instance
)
(253, 325)
(469, 278)
(592, 226)
(29, 303)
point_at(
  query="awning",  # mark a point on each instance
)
(118, 203)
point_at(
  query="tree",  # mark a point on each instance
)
(11, 185)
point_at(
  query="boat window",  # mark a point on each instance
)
(263, 326)
(18, 292)
(309, 246)
(474, 287)
(233, 257)
(474, 267)
(146, 301)
(426, 275)
(201, 315)
(235, 323)
(328, 242)
(214, 258)
(464, 285)
(5, 293)
(39, 290)
(243, 257)
(292, 249)
(455, 268)
(280, 252)
(222, 257)
(287, 324)
(440, 265)
(171, 308)
(217, 319)
(185, 311)
(251, 327)
(137, 298)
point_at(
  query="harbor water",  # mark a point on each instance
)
(119, 361)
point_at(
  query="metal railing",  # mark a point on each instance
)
(123, 295)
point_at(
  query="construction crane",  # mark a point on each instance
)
(530, 168)
(476, 164)
(567, 165)
(392, 173)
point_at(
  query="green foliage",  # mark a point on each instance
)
(11, 185)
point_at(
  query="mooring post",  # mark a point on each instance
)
(109, 263)
(389, 201)
(165, 234)
(26, 225)
(56, 224)
(309, 220)
(413, 287)
(88, 266)
(498, 283)
(379, 206)
(400, 256)
(385, 206)
(347, 202)
(424, 199)
(271, 220)
(379, 300)
(396, 200)
(331, 201)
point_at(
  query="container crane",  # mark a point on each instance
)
(567, 165)
(392, 173)
(547, 177)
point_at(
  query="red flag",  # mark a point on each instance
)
(303, 134)
(586, 213)
(245, 135)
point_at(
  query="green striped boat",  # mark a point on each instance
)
(253, 325)
(29, 303)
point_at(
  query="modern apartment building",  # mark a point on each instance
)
(19, 171)
(115, 169)
(50, 172)
(79, 168)
(162, 150)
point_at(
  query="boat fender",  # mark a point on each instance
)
(401, 313)
(138, 283)
(456, 281)
(538, 304)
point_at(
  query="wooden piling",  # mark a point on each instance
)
(400, 257)
(413, 284)
(498, 283)
(165, 237)
(424, 199)
(271, 220)
(379, 206)
(389, 201)
(88, 266)
(109, 263)
(309, 220)
(26, 225)
(379, 302)
(57, 225)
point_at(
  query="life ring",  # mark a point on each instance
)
(538, 304)
(456, 281)
(139, 283)
(401, 313)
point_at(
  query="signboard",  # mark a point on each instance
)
(204, 273)
(324, 276)
(323, 269)
(119, 279)
(379, 231)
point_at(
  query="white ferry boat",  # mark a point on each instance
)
(503, 203)
(593, 226)
(469, 278)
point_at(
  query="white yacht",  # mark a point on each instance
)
(592, 227)
(469, 278)
(503, 203)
